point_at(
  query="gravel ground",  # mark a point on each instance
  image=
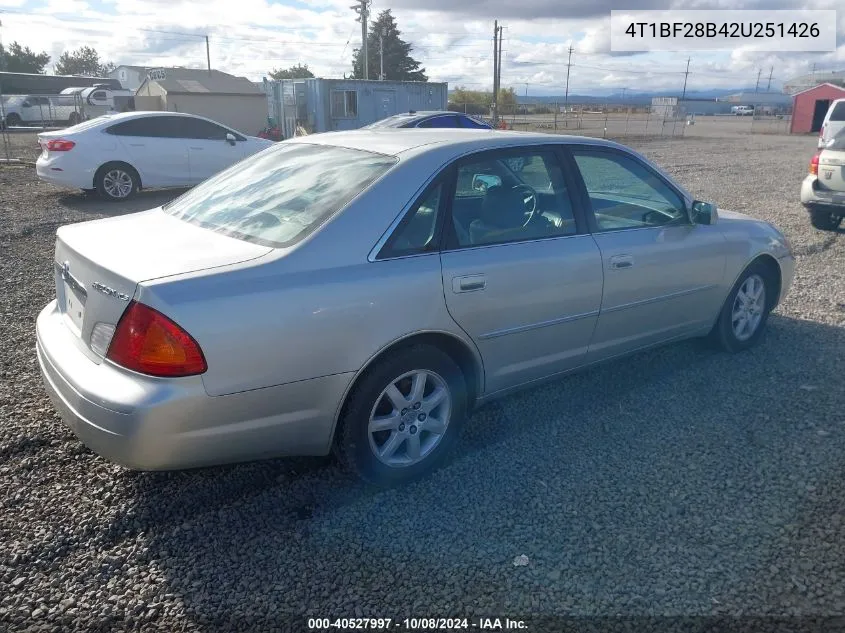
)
(679, 482)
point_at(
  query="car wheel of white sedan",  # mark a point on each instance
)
(746, 310)
(116, 181)
(403, 417)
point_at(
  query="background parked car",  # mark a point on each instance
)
(834, 122)
(117, 155)
(431, 119)
(742, 110)
(823, 190)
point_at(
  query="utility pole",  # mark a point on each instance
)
(208, 54)
(499, 78)
(759, 72)
(381, 35)
(566, 97)
(686, 75)
(495, 72)
(769, 85)
(363, 11)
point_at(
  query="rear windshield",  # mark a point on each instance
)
(838, 112)
(278, 196)
(392, 121)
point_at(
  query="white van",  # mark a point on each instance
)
(834, 122)
(742, 110)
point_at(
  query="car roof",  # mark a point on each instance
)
(405, 141)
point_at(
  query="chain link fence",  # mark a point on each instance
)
(622, 121)
(30, 113)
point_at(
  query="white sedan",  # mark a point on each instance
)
(116, 155)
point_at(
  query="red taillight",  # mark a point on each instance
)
(59, 145)
(148, 342)
(814, 165)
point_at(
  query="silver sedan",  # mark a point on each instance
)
(360, 292)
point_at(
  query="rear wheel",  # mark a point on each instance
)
(116, 181)
(825, 219)
(746, 310)
(13, 120)
(403, 417)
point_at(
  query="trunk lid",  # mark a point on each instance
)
(831, 176)
(99, 264)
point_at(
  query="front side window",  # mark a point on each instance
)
(277, 197)
(202, 129)
(344, 104)
(626, 194)
(511, 197)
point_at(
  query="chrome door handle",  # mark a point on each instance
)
(469, 283)
(618, 262)
(198, 148)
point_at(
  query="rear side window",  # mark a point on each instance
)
(837, 113)
(151, 127)
(277, 197)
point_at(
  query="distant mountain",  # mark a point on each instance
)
(632, 98)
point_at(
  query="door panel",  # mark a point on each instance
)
(160, 157)
(659, 283)
(662, 274)
(530, 307)
(519, 279)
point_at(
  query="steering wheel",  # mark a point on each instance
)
(529, 196)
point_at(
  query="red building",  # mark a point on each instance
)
(809, 107)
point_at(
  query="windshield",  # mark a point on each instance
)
(278, 196)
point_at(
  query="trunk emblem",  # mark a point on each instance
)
(828, 175)
(111, 292)
(73, 282)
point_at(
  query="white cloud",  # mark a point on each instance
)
(251, 37)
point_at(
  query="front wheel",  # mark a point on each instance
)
(746, 310)
(13, 120)
(825, 220)
(403, 417)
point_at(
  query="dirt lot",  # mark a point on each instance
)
(679, 482)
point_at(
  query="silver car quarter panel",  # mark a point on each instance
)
(530, 307)
(276, 323)
(151, 424)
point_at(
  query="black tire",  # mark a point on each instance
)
(13, 120)
(723, 334)
(825, 219)
(353, 442)
(112, 178)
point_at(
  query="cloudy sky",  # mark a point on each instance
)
(453, 40)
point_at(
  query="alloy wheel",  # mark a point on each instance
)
(410, 418)
(748, 308)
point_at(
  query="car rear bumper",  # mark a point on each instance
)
(166, 424)
(814, 197)
(59, 172)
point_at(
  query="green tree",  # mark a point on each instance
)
(398, 63)
(300, 71)
(84, 61)
(480, 101)
(21, 59)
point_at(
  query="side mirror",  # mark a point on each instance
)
(26, 104)
(704, 213)
(230, 138)
(482, 182)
